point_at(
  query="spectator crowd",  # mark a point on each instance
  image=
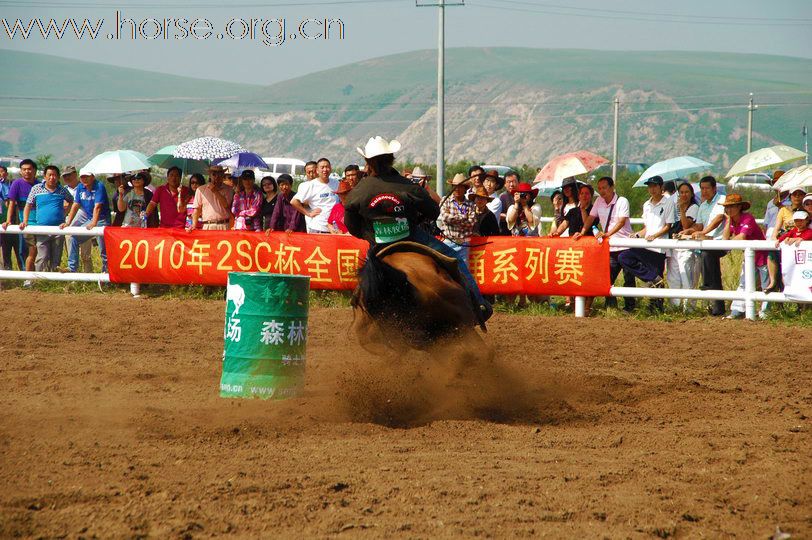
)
(481, 203)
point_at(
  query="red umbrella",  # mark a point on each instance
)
(571, 164)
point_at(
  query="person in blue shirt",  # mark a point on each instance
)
(90, 208)
(17, 197)
(49, 199)
(8, 242)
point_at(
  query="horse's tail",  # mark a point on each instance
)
(384, 290)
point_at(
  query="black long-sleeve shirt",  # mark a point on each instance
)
(379, 205)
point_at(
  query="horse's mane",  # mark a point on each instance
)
(385, 291)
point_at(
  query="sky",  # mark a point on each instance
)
(373, 28)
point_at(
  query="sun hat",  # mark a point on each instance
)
(85, 172)
(796, 190)
(343, 187)
(807, 198)
(524, 187)
(378, 146)
(479, 192)
(734, 199)
(147, 178)
(459, 180)
(493, 175)
(418, 173)
(69, 169)
(800, 214)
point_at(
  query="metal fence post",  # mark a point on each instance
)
(580, 306)
(749, 283)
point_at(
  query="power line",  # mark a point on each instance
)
(655, 14)
(476, 3)
(221, 5)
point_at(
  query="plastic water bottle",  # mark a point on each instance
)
(143, 220)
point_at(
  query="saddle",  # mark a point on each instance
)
(449, 264)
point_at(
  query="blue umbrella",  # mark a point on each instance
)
(242, 160)
(674, 168)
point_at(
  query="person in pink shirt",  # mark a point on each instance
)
(170, 199)
(246, 204)
(335, 223)
(741, 225)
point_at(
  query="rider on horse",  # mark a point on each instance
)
(385, 207)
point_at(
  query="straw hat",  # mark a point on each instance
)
(480, 192)
(419, 173)
(459, 180)
(734, 199)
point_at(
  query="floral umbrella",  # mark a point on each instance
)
(210, 148)
(566, 165)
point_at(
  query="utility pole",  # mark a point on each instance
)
(441, 5)
(806, 143)
(614, 140)
(750, 109)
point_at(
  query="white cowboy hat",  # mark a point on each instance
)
(418, 173)
(378, 146)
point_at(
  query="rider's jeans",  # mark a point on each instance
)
(461, 254)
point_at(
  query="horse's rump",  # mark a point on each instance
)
(413, 293)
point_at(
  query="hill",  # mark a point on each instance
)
(507, 105)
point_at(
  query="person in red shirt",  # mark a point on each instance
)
(335, 223)
(170, 200)
(800, 233)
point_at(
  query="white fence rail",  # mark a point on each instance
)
(749, 295)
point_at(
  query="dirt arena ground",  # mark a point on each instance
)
(111, 426)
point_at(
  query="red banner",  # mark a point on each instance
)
(501, 265)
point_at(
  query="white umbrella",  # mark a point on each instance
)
(799, 177)
(766, 158)
(117, 162)
(673, 168)
(207, 148)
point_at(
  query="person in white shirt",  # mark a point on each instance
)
(648, 263)
(315, 198)
(683, 266)
(612, 214)
(493, 183)
(710, 222)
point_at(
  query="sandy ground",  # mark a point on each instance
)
(111, 426)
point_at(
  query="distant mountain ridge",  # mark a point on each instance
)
(507, 105)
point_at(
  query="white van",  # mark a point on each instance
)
(280, 165)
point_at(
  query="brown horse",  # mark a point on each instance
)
(410, 296)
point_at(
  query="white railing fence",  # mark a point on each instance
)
(749, 295)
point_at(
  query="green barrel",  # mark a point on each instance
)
(265, 335)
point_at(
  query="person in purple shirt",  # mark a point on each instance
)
(17, 196)
(285, 217)
(741, 225)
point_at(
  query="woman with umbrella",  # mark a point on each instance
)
(246, 204)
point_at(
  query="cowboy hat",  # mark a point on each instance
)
(378, 146)
(524, 187)
(493, 175)
(343, 187)
(479, 192)
(734, 199)
(459, 180)
(419, 173)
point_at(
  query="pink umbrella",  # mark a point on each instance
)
(571, 164)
